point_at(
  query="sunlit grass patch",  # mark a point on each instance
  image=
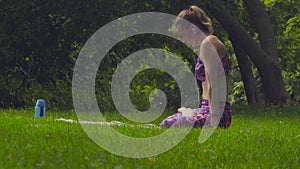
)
(259, 137)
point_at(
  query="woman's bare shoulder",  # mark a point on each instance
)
(218, 44)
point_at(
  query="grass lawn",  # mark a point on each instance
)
(259, 137)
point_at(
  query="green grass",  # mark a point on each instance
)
(259, 137)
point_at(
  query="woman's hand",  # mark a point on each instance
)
(188, 112)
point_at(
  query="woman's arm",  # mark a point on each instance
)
(212, 50)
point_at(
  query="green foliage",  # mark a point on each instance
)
(145, 81)
(287, 30)
(285, 19)
(40, 42)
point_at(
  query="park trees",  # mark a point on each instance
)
(40, 41)
(264, 54)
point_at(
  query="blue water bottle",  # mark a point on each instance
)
(40, 108)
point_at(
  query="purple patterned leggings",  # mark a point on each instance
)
(198, 120)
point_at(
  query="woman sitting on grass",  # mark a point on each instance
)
(200, 116)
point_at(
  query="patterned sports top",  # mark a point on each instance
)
(200, 69)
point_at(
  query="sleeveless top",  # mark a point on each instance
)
(200, 69)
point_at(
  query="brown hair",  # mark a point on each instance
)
(198, 17)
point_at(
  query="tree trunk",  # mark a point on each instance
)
(246, 73)
(269, 69)
(262, 24)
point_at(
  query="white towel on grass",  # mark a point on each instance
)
(111, 123)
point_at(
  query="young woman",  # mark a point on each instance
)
(189, 34)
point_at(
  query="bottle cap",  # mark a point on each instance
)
(40, 102)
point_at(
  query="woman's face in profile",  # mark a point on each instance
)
(190, 35)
